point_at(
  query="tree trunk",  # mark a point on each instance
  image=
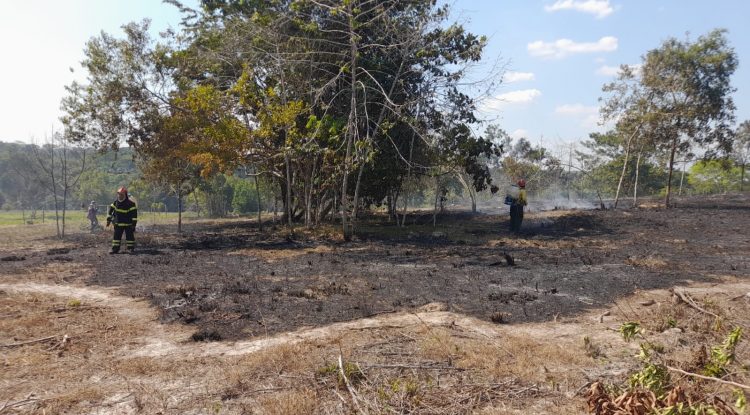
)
(682, 177)
(637, 174)
(64, 208)
(671, 169)
(197, 204)
(742, 177)
(470, 189)
(437, 197)
(257, 195)
(408, 181)
(179, 209)
(309, 214)
(622, 174)
(351, 126)
(289, 213)
(355, 209)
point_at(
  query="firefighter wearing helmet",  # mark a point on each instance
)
(123, 214)
(517, 202)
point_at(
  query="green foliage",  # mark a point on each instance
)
(714, 176)
(722, 355)
(629, 330)
(351, 370)
(681, 98)
(653, 377)
(270, 85)
(682, 408)
(740, 399)
(244, 199)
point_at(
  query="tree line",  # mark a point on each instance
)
(327, 108)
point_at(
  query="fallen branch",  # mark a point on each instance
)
(61, 344)
(695, 375)
(397, 366)
(349, 386)
(12, 405)
(686, 298)
(746, 295)
(604, 314)
(28, 342)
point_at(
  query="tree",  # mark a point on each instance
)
(60, 167)
(680, 99)
(19, 182)
(321, 97)
(741, 150)
(689, 92)
(713, 176)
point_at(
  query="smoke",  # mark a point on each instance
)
(561, 202)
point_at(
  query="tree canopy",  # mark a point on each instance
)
(338, 102)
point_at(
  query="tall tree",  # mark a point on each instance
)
(741, 150)
(59, 166)
(688, 86)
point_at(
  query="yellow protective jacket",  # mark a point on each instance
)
(521, 200)
(123, 213)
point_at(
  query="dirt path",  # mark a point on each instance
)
(172, 340)
(162, 340)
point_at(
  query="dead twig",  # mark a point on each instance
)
(29, 342)
(349, 386)
(687, 299)
(604, 314)
(12, 405)
(746, 295)
(406, 366)
(61, 345)
(695, 375)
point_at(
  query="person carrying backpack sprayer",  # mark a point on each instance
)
(123, 213)
(516, 198)
(91, 216)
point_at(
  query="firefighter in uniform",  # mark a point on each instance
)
(123, 214)
(518, 201)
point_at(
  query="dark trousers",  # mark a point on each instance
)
(129, 238)
(516, 217)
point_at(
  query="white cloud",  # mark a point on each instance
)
(519, 133)
(589, 115)
(599, 8)
(511, 77)
(523, 96)
(564, 47)
(606, 70)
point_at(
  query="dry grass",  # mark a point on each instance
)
(423, 368)
(304, 401)
(650, 261)
(277, 255)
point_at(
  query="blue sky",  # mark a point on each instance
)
(552, 84)
(555, 97)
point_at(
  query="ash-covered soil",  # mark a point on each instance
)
(231, 281)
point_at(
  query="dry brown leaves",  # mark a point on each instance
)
(642, 402)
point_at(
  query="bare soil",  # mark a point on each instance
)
(460, 318)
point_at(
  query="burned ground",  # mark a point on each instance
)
(226, 319)
(231, 281)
